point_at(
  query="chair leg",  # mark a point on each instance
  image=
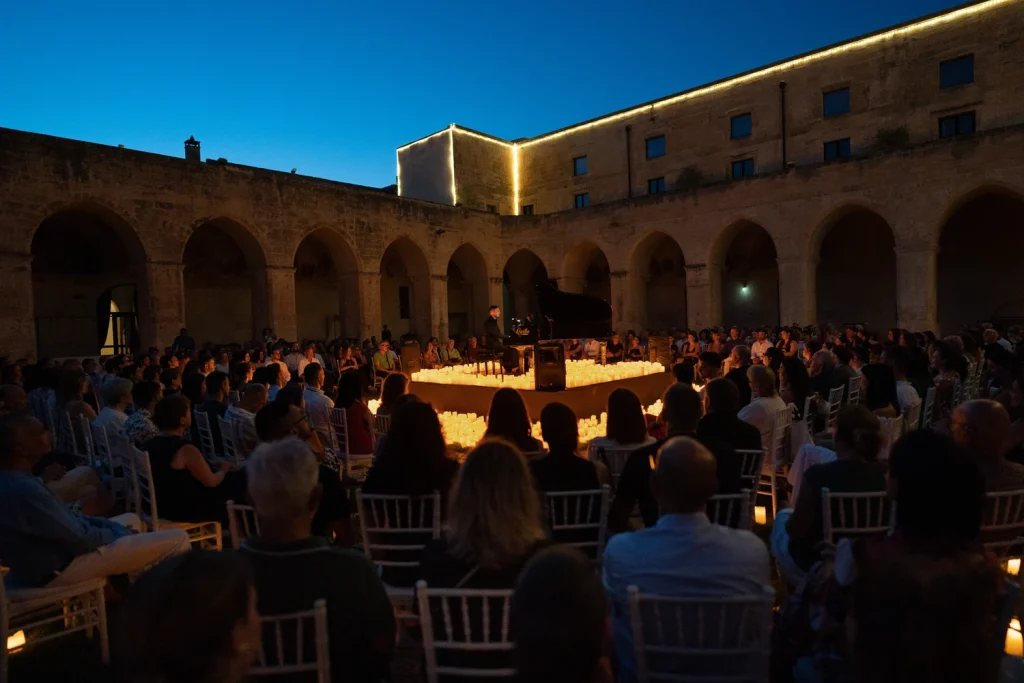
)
(775, 500)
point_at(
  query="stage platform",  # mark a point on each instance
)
(586, 401)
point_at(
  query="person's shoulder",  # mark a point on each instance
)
(741, 542)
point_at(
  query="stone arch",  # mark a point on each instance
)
(405, 289)
(855, 279)
(326, 286)
(747, 261)
(978, 265)
(523, 270)
(658, 282)
(467, 292)
(225, 282)
(585, 270)
(87, 263)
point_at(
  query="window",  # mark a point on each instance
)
(744, 168)
(740, 126)
(582, 200)
(403, 303)
(836, 102)
(656, 147)
(491, 208)
(527, 210)
(579, 166)
(954, 72)
(957, 124)
(655, 185)
(837, 149)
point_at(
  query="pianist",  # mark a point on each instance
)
(494, 341)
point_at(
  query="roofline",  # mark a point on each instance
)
(424, 138)
(475, 133)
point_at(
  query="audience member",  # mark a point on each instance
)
(823, 375)
(508, 419)
(13, 399)
(720, 423)
(878, 390)
(765, 403)
(252, 399)
(897, 358)
(139, 426)
(283, 373)
(414, 461)
(170, 379)
(383, 362)
(117, 396)
(396, 384)
(313, 395)
(626, 426)
(562, 469)
(739, 363)
(794, 384)
(358, 418)
(981, 428)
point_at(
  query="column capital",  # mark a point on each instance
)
(497, 280)
(439, 278)
(618, 274)
(916, 248)
(15, 257)
(280, 269)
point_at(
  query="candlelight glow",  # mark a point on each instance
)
(1013, 566)
(16, 640)
(760, 514)
(1014, 641)
(578, 373)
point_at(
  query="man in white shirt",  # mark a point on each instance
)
(684, 554)
(759, 348)
(293, 359)
(991, 336)
(117, 396)
(309, 356)
(283, 375)
(764, 403)
(592, 349)
(244, 412)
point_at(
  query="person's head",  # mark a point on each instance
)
(313, 375)
(626, 423)
(23, 440)
(394, 386)
(117, 393)
(942, 356)
(615, 338)
(683, 372)
(472, 342)
(716, 335)
(822, 362)
(773, 358)
(762, 335)
(350, 389)
(194, 387)
(384, 347)
(858, 435)
(762, 381)
(283, 482)
(878, 382)
(415, 439)
(13, 399)
(275, 353)
(171, 379)
(11, 374)
(191, 618)
(740, 356)
(559, 428)
(507, 417)
(722, 396)
(253, 398)
(73, 386)
(173, 414)
(241, 374)
(843, 355)
(292, 395)
(897, 358)
(207, 364)
(685, 476)
(990, 336)
(734, 333)
(145, 395)
(494, 511)
(680, 410)
(277, 420)
(494, 312)
(981, 427)
(309, 351)
(151, 373)
(921, 463)
(223, 357)
(559, 618)
(218, 384)
(90, 366)
(710, 365)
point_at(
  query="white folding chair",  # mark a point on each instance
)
(751, 467)
(892, 429)
(101, 459)
(700, 639)
(465, 620)
(292, 650)
(395, 531)
(44, 614)
(927, 409)
(356, 464)
(234, 397)
(776, 462)
(911, 417)
(66, 440)
(958, 392)
(242, 523)
(1003, 523)
(835, 402)
(614, 458)
(228, 433)
(853, 391)
(855, 514)
(202, 535)
(85, 428)
(731, 509)
(571, 515)
(381, 425)
(206, 445)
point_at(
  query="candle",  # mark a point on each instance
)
(17, 640)
(1013, 566)
(1014, 642)
(760, 514)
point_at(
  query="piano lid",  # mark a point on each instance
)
(569, 316)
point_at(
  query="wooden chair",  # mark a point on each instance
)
(846, 515)
(1003, 523)
(398, 527)
(572, 515)
(298, 643)
(700, 639)
(242, 523)
(732, 509)
(202, 535)
(45, 614)
(461, 621)
(206, 445)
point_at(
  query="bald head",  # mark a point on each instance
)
(981, 428)
(254, 397)
(12, 399)
(686, 476)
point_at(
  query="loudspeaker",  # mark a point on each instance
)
(549, 367)
(410, 356)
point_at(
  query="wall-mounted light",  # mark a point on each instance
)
(744, 289)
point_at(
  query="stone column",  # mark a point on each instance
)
(278, 304)
(162, 307)
(369, 305)
(623, 308)
(17, 310)
(703, 295)
(438, 308)
(495, 294)
(916, 287)
(797, 298)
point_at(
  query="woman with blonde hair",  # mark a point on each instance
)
(494, 522)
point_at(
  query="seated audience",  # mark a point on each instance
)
(449, 354)
(508, 419)
(117, 396)
(739, 363)
(215, 404)
(559, 620)
(720, 423)
(562, 469)
(684, 373)
(190, 619)
(685, 555)
(358, 418)
(294, 568)
(71, 392)
(43, 542)
(383, 362)
(845, 369)
(414, 461)
(897, 358)
(635, 352)
(13, 399)
(823, 375)
(794, 384)
(313, 395)
(626, 426)
(764, 404)
(614, 351)
(253, 397)
(139, 426)
(981, 428)
(395, 385)
(574, 350)
(878, 390)
(431, 359)
(592, 349)
(170, 379)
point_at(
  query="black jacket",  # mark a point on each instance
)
(739, 378)
(493, 337)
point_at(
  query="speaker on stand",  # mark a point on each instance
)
(549, 367)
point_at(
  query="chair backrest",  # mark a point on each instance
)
(381, 424)
(202, 420)
(66, 439)
(782, 423)
(751, 463)
(912, 417)
(234, 397)
(1003, 522)
(143, 491)
(294, 644)
(892, 429)
(855, 514)
(399, 524)
(227, 438)
(732, 509)
(614, 458)
(700, 639)
(835, 401)
(101, 459)
(85, 431)
(853, 391)
(579, 518)
(465, 620)
(337, 427)
(927, 409)
(121, 453)
(242, 523)
(958, 392)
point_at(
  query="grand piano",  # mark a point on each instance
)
(564, 316)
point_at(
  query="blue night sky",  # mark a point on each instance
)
(333, 87)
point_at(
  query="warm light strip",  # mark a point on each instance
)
(515, 180)
(431, 136)
(761, 73)
(451, 160)
(486, 138)
(398, 172)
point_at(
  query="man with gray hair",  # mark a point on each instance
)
(117, 396)
(823, 373)
(293, 568)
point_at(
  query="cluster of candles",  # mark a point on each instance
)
(578, 373)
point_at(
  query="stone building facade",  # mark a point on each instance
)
(694, 215)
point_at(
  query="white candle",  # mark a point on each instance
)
(17, 640)
(760, 514)
(1013, 566)
(1014, 642)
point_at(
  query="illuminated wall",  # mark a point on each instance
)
(425, 169)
